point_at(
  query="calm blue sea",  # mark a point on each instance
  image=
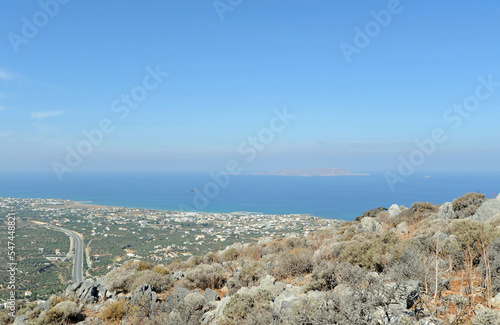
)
(343, 197)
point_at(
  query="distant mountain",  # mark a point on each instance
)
(311, 172)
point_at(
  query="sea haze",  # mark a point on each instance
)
(340, 197)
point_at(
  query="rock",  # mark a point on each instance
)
(394, 211)
(446, 212)
(208, 317)
(44, 305)
(285, 301)
(211, 295)
(487, 210)
(402, 228)
(88, 291)
(145, 294)
(178, 275)
(20, 320)
(370, 225)
(180, 293)
(315, 295)
(444, 284)
(269, 283)
(439, 236)
(220, 308)
(496, 300)
(412, 290)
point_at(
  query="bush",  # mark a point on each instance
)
(120, 279)
(370, 213)
(296, 262)
(64, 312)
(371, 254)
(486, 317)
(158, 282)
(143, 266)
(115, 311)
(161, 270)
(231, 254)
(206, 276)
(323, 278)
(471, 235)
(252, 273)
(239, 306)
(467, 205)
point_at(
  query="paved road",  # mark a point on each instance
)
(78, 257)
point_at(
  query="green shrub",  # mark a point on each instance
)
(206, 276)
(467, 205)
(370, 213)
(371, 254)
(143, 266)
(231, 254)
(239, 306)
(252, 273)
(158, 282)
(161, 270)
(323, 278)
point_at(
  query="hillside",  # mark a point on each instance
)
(424, 264)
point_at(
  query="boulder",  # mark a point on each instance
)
(496, 300)
(20, 320)
(394, 211)
(177, 275)
(88, 291)
(370, 225)
(218, 313)
(269, 283)
(180, 293)
(446, 212)
(145, 294)
(284, 302)
(487, 210)
(402, 228)
(211, 295)
(412, 291)
(440, 236)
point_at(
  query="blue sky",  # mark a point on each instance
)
(225, 78)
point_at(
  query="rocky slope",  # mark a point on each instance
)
(424, 264)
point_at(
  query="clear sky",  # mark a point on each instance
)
(364, 81)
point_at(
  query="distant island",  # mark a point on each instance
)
(311, 172)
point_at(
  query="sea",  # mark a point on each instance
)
(333, 197)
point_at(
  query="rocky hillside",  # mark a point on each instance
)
(424, 264)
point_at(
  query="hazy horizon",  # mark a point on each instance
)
(169, 86)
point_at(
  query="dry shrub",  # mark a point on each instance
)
(296, 262)
(115, 311)
(371, 254)
(206, 276)
(161, 270)
(252, 273)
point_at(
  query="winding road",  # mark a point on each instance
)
(78, 255)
